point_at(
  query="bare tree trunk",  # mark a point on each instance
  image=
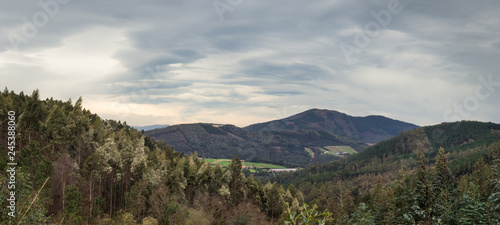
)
(90, 194)
(111, 198)
(63, 187)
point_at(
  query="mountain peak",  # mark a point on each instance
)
(369, 129)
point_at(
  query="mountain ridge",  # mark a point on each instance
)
(366, 129)
(305, 142)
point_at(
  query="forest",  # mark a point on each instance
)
(105, 172)
(75, 168)
(413, 178)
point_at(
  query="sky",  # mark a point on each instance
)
(241, 62)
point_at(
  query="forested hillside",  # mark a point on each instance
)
(76, 168)
(285, 147)
(295, 141)
(442, 174)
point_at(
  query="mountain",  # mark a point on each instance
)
(464, 142)
(431, 171)
(287, 147)
(312, 136)
(369, 129)
(150, 127)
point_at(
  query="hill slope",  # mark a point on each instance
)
(464, 142)
(295, 141)
(286, 147)
(150, 127)
(369, 129)
(424, 176)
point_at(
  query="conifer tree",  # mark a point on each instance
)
(403, 199)
(444, 189)
(237, 181)
(72, 204)
(423, 192)
(481, 176)
(494, 198)
(380, 201)
(31, 119)
(473, 210)
(362, 216)
(276, 202)
(57, 133)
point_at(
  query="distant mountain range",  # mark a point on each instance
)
(150, 127)
(294, 141)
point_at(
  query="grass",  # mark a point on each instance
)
(225, 162)
(322, 149)
(337, 149)
(263, 165)
(311, 153)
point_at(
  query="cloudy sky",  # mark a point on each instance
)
(241, 61)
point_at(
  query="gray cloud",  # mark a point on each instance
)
(179, 56)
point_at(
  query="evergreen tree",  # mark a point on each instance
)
(402, 200)
(444, 189)
(380, 199)
(72, 204)
(237, 181)
(24, 195)
(31, 120)
(473, 210)
(57, 133)
(423, 192)
(362, 216)
(494, 198)
(276, 203)
(481, 176)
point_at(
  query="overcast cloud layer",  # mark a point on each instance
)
(242, 62)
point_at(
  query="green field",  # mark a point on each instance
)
(253, 165)
(337, 149)
(311, 153)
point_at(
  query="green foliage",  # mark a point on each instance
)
(444, 190)
(402, 200)
(362, 216)
(149, 221)
(494, 198)
(125, 219)
(473, 211)
(307, 215)
(276, 202)
(72, 204)
(24, 195)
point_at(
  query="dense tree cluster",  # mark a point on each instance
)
(105, 172)
(406, 181)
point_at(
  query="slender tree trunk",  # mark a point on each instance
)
(111, 197)
(90, 194)
(63, 185)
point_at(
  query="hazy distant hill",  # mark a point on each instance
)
(150, 127)
(369, 129)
